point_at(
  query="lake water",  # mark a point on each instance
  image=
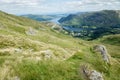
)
(55, 20)
(67, 28)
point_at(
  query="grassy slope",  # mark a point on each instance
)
(113, 40)
(69, 53)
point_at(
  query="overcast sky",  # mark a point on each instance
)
(56, 6)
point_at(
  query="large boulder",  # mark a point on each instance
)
(90, 74)
(103, 51)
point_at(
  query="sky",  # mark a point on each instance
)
(56, 6)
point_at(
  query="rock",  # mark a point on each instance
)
(15, 78)
(31, 31)
(91, 74)
(47, 54)
(102, 49)
(18, 50)
(94, 75)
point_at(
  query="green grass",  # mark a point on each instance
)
(69, 53)
(112, 39)
(47, 70)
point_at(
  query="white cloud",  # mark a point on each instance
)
(54, 6)
(22, 2)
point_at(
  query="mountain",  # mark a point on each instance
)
(34, 50)
(95, 24)
(43, 17)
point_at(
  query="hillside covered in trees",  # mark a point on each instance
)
(94, 24)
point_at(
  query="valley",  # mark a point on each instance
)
(42, 50)
(89, 25)
(94, 24)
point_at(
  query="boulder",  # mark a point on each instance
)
(103, 51)
(94, 75)
(91, 74)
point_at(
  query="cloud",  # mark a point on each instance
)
(56, 6)
(91, 5)
(22, 2)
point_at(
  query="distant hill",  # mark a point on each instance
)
(99, 23)
(43, 17)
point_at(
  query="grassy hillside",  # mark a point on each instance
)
(24, 43)
(112, 39)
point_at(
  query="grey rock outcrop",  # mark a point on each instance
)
(91, 74)
(102, 49)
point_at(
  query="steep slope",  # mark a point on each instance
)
(22, 39)
(31, 50)
(23, 28)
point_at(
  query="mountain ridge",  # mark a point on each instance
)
(38, 17)
(101, 23)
